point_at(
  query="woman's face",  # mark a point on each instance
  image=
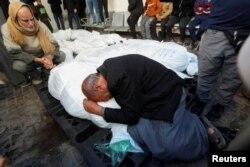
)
(26, 19)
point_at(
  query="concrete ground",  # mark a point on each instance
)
(32, 137)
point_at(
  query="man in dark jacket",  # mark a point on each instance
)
(56, 9)
(135, 7)
(182, 14)
(152, 103)
(71, 7)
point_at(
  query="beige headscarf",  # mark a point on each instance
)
(17, 32)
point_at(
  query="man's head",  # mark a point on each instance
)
(95, 88)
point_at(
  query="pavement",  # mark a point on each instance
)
(31, 137)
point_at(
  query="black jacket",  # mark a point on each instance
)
(135, 6)
(55, 6)
(142, 87)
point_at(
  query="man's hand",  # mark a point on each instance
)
(91, 107)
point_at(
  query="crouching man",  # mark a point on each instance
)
(152, 103)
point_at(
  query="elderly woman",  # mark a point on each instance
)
(29, 42)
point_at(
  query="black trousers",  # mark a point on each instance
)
(132, 21)
(103, 4)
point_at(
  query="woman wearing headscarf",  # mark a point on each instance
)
(29, 42)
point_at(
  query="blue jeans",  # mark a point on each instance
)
(94, 10)
(146, 26)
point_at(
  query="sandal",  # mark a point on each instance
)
(215, 137)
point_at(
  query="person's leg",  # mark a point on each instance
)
(56, 17)
(47, 23)
(211, 55)
(170, 24)
(100, 6)
(230, 80)
(163, 29)
(105, 5)
(153, 29)
(91, 11)
(183, 23)
(27, 69)
(61, 21)
(97, 11)
(6, 62)
(77, 20)
(148, 27)
(142, 25)
(70, 19)
(168, 141)
(132, 21)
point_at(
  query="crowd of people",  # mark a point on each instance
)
(151, 96)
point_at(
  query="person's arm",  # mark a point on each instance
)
(131, 5)
(158, 8)
(168, 11)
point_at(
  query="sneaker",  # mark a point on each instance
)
(215, 112)
(36, 81)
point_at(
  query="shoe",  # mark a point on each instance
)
(197, 107)
(36, 81)
(215, 112)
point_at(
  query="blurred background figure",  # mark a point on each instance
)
(94, 11)
(71, 7)
(5, 6)
(242, 140)
(42, 14)
(56, 9)
(31, 3)
(81, 11)
(135, 7)
(103, 4)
